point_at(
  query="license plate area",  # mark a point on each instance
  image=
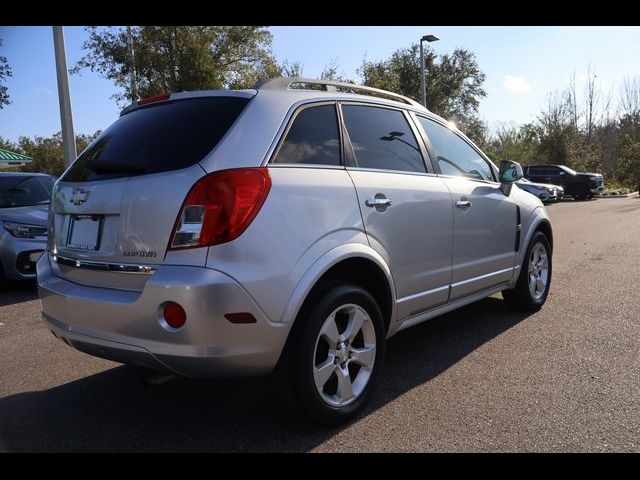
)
(85, 232)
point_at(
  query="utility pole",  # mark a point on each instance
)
(66, 117)
(132, 67)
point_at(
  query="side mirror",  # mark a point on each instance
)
(509, 172)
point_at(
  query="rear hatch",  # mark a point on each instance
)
(114, 209)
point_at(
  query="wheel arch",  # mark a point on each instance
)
(544, 226)
(352, 263)
(539, 223)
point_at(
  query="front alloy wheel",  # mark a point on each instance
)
(532, 287)
(538, 271)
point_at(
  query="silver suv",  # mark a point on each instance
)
(300, 223)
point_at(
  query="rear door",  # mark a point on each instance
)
(535, 173)
(555, 175)
(484, 219)
(114, 209)
(406, 209)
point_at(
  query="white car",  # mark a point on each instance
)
(24, 206)
(544, 191)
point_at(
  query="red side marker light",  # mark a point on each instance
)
(243, 317)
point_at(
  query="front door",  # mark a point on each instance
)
(484, 218)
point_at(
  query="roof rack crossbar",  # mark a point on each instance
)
(284, 83)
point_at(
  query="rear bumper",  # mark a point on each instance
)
(14, 256)
(124, 325)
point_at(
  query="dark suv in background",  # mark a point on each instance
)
(577, 185)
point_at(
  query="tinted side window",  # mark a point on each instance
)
(157, 138)
(382, 138)
(313, 138)
(455, 156)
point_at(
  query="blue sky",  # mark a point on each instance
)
(522, 64)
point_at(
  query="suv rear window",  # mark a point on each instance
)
(157, 138)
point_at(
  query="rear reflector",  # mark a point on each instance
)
(243, 317)
(220, 207)
(155, 98)
(174, 315)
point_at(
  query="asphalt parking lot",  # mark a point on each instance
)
(482, 378)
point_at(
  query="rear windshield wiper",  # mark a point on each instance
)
(115, 167)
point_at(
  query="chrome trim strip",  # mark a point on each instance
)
(103, 266)
(481, 277)
(422, 294)
(447, 307)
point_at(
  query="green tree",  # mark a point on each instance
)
(627, 161)
(7, 144)
(331, 72)
(179, 58)
(453, 82)
(47, 153)
(519, 144)
(5, 72)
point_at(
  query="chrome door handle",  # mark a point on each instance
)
(463, 204)
(378, 202)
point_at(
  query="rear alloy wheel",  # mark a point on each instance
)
(338, 354)
(343, 362)
(533, 284)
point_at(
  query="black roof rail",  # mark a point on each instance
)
(289, 83)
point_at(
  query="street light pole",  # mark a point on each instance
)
(423, 88)
(66, 117)
(132, 67)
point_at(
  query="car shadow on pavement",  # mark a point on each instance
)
(114, 411)
(18, 292)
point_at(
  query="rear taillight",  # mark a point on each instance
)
(219, 207)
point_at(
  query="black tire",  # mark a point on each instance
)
(3, 280)
(303, 357)
(521, 297)
(583, 193)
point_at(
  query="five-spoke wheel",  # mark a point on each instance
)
(337, 352)
(345, 354)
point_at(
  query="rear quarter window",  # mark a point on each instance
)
(313, 138)
(157, 138)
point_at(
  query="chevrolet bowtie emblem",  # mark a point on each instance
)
(79, 196)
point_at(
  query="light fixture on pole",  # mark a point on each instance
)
(423, 89)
